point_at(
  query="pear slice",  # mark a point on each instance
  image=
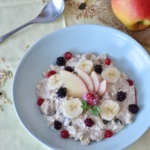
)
(75, 86)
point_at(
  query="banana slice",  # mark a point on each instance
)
(55, 81)
(72, 108)
(109, 109)
(111, 74)
(86, 65)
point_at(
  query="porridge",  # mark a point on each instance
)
(86, 97)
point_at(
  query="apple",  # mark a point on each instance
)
(86, 79)
(75, 86)
(95, 80)
(134, 14)
(102, 88)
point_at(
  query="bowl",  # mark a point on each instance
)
(127, 54)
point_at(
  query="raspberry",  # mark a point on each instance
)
(133, 108)
(89, 122)
(98, 69)
(108, 134)
(68, 68)
(121, 96)
(91, 98)
(64, 134)
(60, 61)
(68, 55)
(50, 73)
(57, 125)
(61, 92)
(40, 101)
(130, 82)
(107, 61)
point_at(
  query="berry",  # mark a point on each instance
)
(107, 61)
(133, 108)
(68, 55)
(91, 98)
(88, 122)
(130, 82)
(57, 125)
(61, 92)
(50, 73)
(105, 121)
(108, 134)
(98, 69)
(82, 6)
(40, 101)
(68, 68)
(60, 61)
(64, 134)
(121, 96)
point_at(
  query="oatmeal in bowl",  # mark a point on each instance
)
(85, 97)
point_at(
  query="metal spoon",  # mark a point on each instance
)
(49, 13)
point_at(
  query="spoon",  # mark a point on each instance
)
(49, 13)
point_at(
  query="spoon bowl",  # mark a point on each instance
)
(49, 13)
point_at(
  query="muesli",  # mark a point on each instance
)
(86, 97)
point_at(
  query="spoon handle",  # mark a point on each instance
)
(2, 38)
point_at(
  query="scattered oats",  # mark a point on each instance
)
(7, 66)
(2, 60)
(91, 9)
(27, 46)
(42, 1)
(7, 102)
(1, 110)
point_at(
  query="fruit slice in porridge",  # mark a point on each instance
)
(86, 65)
(95, 80)
(75, 86)
(86, 79)
(102, 88)
(109, 109)
(55, 81)
(72, 108)
(111, 74)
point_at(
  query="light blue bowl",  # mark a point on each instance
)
(127, 54)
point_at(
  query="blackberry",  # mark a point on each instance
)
(98, 69)
(82, 6)
(133, 108)
(118, 121)
(57, 125)
(68, 68)
(89, 122)
(60, 61)
(105, 121)
(61, 92)
(121, 96)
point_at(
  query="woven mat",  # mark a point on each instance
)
(107, 16)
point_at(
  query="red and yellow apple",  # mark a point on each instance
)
(134, 14)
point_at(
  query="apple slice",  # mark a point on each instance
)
(95, 80)
(102, 88)
(75, 86)
(86, 79)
